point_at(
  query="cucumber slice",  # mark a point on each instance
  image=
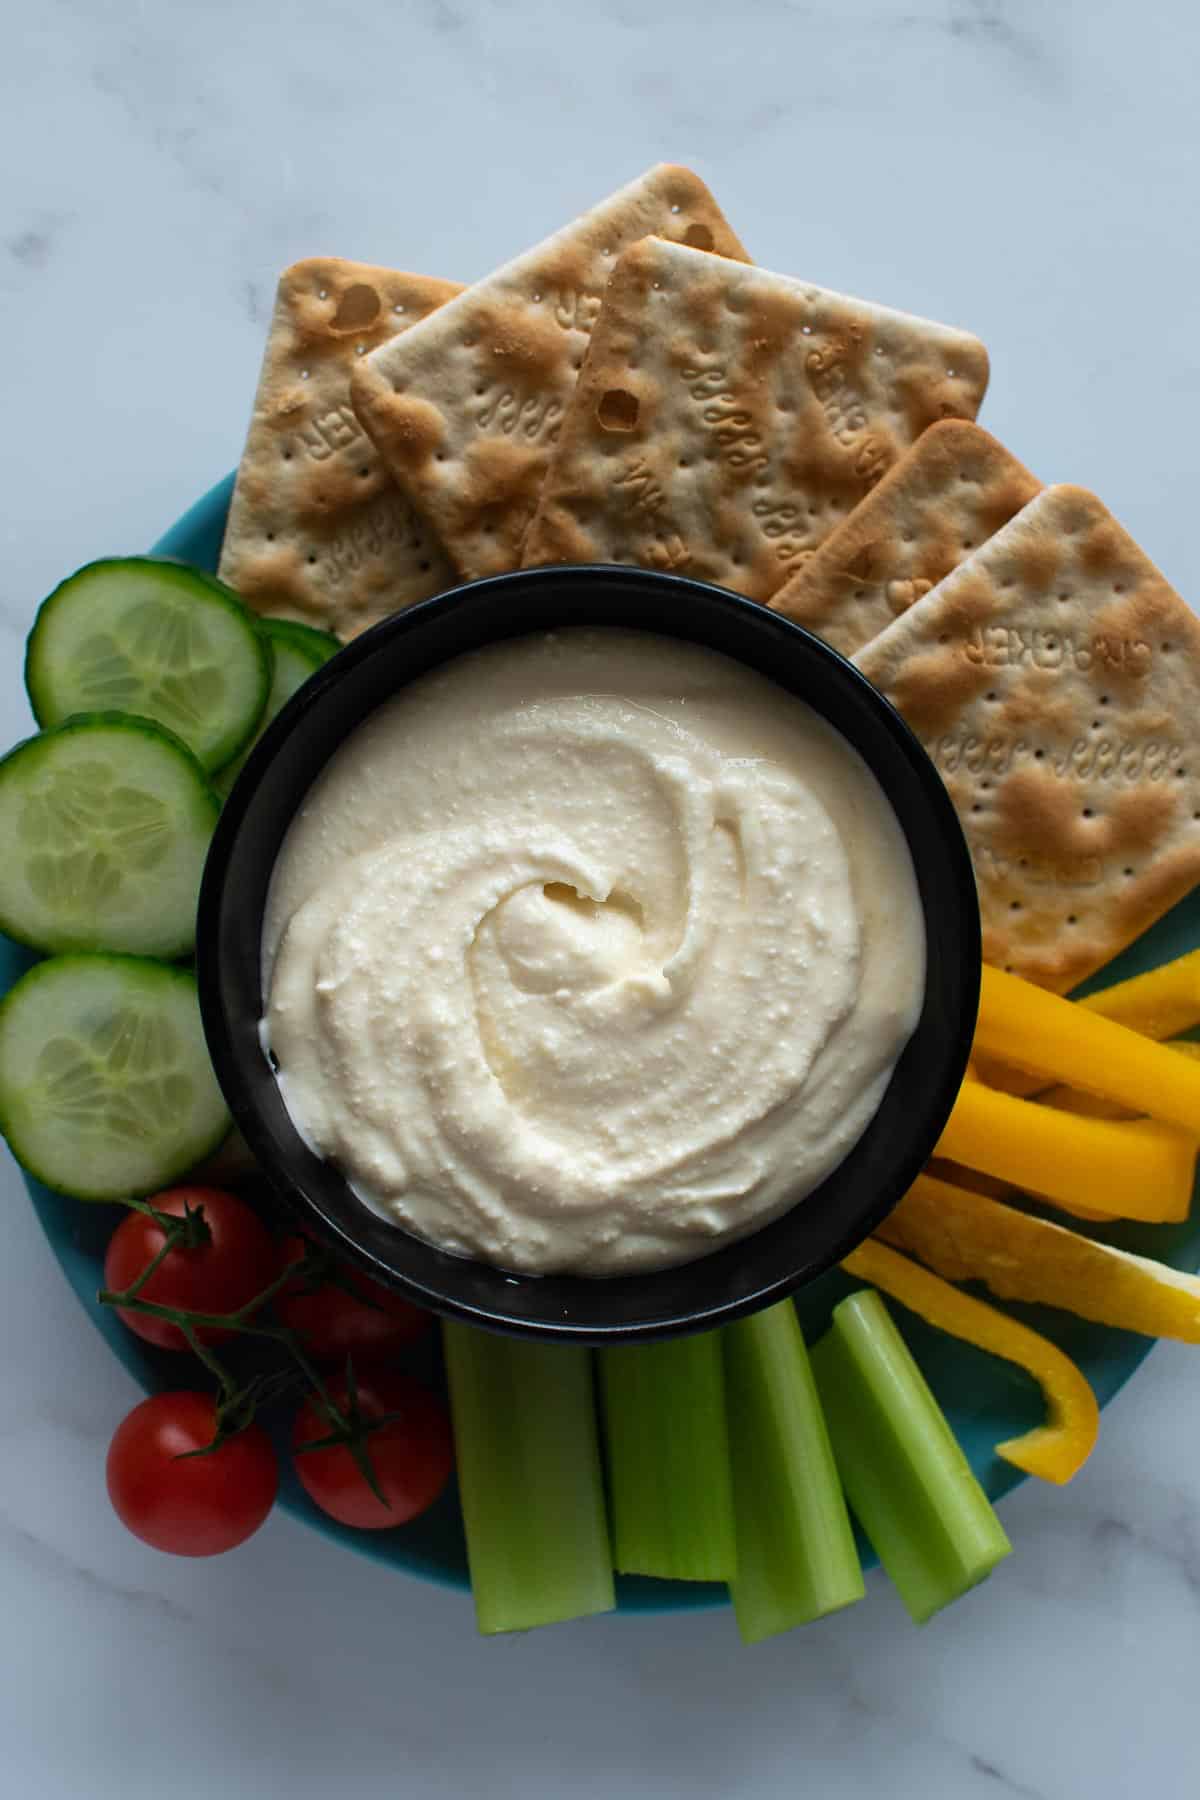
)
(106, 1090)
(297, 652)
(105, 823)
(319, 645)
(142, 635)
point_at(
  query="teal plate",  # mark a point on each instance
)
(986, 1401)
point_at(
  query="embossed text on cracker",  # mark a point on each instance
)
(844, 407)
(573, 309)
(1092, 758)
(387, 522)
(642, 490)
(724, 416)
(332, 431)
(534, 417)
(643, 494)
(789, 525)
(1037, 871)
(669, 553)
(1010, 646)
(900, 595)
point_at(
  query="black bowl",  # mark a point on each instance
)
(743, 1276)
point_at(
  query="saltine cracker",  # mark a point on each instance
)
(944, 498)
(1054, 678)
(726, 418)
(465, 410)
(317, 530)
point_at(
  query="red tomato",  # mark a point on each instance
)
(219, 1277)
(199, 1506)
(412, 1455)
(335, 1325)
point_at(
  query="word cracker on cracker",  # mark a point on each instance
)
(1053, 678)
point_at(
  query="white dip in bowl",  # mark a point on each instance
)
(589, 953)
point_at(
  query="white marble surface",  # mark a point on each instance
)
(1026, 169)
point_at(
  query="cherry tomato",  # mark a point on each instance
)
(218, 1277)
(412, 1455)
(197, 1506)
(334, 1324)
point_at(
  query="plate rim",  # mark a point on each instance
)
(205, 517)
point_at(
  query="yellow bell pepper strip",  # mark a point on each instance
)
(1088, 1106)
(960, 1176)
(1159, 1005)
(967, 1237)
(998, 1075)
(1054, 1451)
(1025, 1027)
(1140, 1170)
(1092, 1106)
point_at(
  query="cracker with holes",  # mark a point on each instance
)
(726, 419)
(1054, 678)
(466, 409)
(944, 498)
(317, 530)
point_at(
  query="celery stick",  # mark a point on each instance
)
(904, 1473)
(668, 1458)
(795, 1546)
(529, 1478)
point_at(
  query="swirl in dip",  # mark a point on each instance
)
(590, 952)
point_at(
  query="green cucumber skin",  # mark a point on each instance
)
(168, 564)
(290, 640)
(317, 646)
(181, 574)
(51, 968)
(134, 723)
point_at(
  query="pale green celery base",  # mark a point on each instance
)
(795, 1545)
(906, 1477)
(668, 1459)
(529, 1479)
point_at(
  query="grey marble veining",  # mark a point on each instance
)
(1026, 170)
